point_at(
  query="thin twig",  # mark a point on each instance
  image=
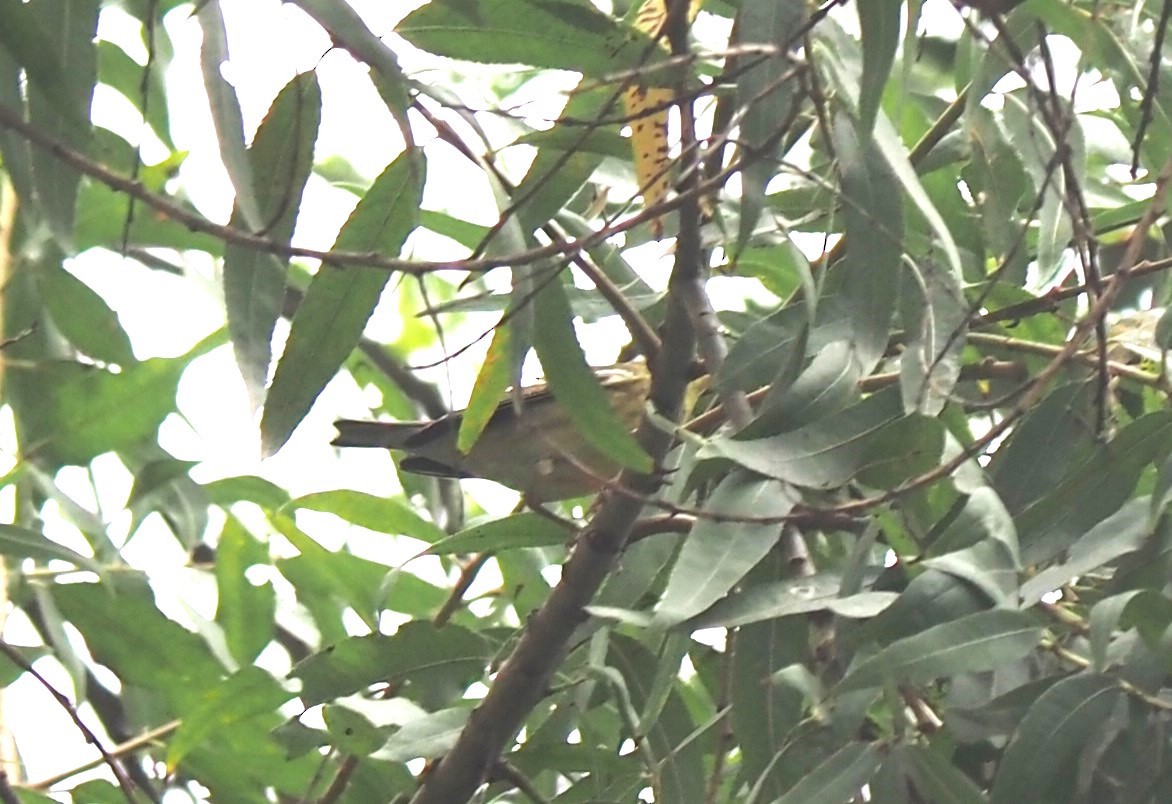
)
(108, 759)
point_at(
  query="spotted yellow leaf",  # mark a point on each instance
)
(646, 108)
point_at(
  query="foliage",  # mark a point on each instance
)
(912, 543)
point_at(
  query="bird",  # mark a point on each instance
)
(538, 451)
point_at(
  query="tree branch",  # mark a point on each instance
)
(543, 645)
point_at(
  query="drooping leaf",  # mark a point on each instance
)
(249, 694)
(879, 24)
(576, 387)
(680, 768)
(280, 160)
(823, 454)
(60, 111)
(1046, 745)
(86, 411)
(84, 317)
(245, 611)
(339, 301)
(418, 655)
(554, 34)
(227, 118)
(934, 316)
(497, 373)
(766, 95)
(384, 515)
(977, 642)
(718, 554)
(1097, 482)
(873, 222)
(507, 533)
(428, 737)
(346, 28)
(1121, 533)
(837, 779)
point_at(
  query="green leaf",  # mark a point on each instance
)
(936, 780)
(228, 490)
(895, 153)
(328, 582)
(347, 29)
(499, 370)
(575, 385)
(334, 311)
(418, 655)
(990, 565)
(879, 25)
(1035, 144)
(250, 694)
(824, 454)
(226, 116)
(766, 98)
(785, 598)
(1046, 746)
(673, 738)
(118, 70)
(555, 34)
(901, 450)
(83, 316)
(164, 486)
(998, 180)
(29, 43)
(10, 671)
(102, 213)
(1040, 449)
(1123, 532)
(717, 554)
(280, 160)
(999, 716)
(14, 149)
(934, 325)
(507, 533)
(86, 411)
(351, 732)
(1097, 482)
(977, 642)
(1105, 616)
(766, 349)
(59, 111)
(556, 174)
(983, 517)
(930, 599)
(827, 385)
(380, 514)
(763, 714)
(837, 779)
(21, 542)
(156, 654)
(873, 227)
(429, 737)
(244, 611)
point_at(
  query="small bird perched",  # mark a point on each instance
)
(539, 452)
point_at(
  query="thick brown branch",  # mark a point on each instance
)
(541, 649)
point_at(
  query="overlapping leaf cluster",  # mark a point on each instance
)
(933, 564)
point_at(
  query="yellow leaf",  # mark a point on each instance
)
(647, 110)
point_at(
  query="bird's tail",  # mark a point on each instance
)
(386, 435)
